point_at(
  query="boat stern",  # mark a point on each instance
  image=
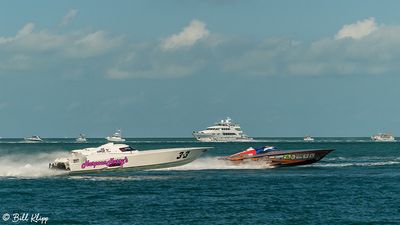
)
(60, 164)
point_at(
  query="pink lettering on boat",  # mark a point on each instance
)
(109, 163)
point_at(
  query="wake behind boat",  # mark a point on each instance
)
(271, 156)
(121, 156)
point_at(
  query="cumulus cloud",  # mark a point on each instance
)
(24, 31)
(77, 45)
(358, 29)
(69, 17)
(189, 36)
(363, 48)
(375, 52)
(148, 61)
(369, 49)
(27, 40)
(93, 44)
(32, 49)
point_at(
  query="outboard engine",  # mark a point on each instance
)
(60, 164)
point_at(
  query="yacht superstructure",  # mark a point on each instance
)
(223, 131)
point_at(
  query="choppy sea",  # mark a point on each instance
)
(358, 183)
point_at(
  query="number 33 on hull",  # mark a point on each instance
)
(121, 156)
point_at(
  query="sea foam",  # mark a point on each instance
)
(213, 163)
(28, 165)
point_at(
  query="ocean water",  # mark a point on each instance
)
(358, 183)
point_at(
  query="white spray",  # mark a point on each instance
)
(213, 163)
(28, 165)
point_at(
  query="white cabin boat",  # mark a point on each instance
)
(112, 156)
(116, 137)
(308, 138)
(223, 131)
(33, 139)
(383, 137)
(81, 138)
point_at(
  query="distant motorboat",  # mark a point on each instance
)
(383, 137)
(81, 138)
(116, 137)
(308, 138)
(34, 138)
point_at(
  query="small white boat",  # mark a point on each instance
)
(81, 139)
(33, 139)
(224, 131)
(383, 137)
(116, 137)
(112, 156)
(308, 138)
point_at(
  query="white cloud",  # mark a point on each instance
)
(357, 30)
(76, 44)
(93, 44)
(27, 40)
(69, 17)
(377, 53)
(33, 50)
(363, 48)
(189, 36)
(24, 31)
(150, 62)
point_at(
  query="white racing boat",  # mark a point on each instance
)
(121, 156)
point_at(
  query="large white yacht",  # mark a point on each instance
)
(223, 131)
(383, 137)
(116, 137)
(112, 156)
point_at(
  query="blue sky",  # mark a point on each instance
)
(166, 68)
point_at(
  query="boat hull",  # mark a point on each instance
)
(206, 137)
(283, 158)
(136, 160)
(112, 139)
(33, 141)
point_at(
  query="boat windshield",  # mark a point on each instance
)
(127, 149)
